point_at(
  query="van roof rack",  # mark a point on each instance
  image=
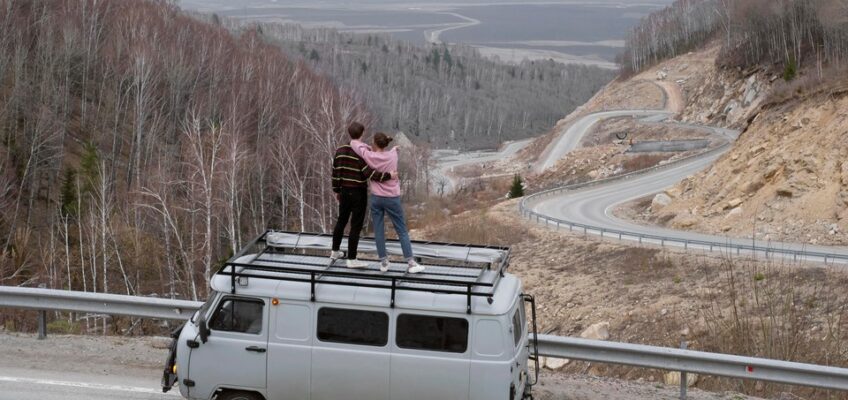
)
(462, 269)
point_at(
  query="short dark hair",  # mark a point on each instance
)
(382, 140)
(355, 130)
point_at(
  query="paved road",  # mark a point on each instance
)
(570, 139)
(81, 368)
(34, 385)
(446, 163)
(38, 384)
(593, 206)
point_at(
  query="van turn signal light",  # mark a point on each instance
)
(275, 301)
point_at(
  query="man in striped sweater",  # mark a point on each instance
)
(350, 183)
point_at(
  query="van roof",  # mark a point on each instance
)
(294, 265)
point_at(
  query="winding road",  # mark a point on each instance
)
(445, 182)
(594, 205)
(434, 36)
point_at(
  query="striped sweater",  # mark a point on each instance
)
(351, 171)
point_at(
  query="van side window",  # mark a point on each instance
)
(368, 328)
(424, 332)
(517, 328)
(238, 315)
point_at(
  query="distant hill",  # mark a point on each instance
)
(446, 96)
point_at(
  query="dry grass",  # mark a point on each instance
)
(778, 312)
(472, 194)
(649, 295)
(831, 81)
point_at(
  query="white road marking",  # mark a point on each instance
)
(83, 385)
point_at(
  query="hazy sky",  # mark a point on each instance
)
(230, 4)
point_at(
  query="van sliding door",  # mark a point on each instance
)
(290, 351)
(431, 358)
(350, 358)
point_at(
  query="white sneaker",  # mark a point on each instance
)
(384, 265)
(414, 267)
(356, 264)
(335, 255)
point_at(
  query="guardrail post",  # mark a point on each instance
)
(42, 324)
(684, 384)
(557, 225)
(686, 244)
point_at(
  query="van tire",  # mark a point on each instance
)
(237, 395)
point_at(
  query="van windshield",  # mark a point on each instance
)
(205, 307)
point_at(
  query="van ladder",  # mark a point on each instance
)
(534, 342)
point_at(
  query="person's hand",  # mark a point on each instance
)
(394, 174)
(338, 197)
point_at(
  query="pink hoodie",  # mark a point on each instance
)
(381, 161)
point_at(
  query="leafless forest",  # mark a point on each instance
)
(141, 146)
(448, 96)
(786, 35)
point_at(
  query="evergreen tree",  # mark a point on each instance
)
(517, 189)
(447, 57)
(69, 192)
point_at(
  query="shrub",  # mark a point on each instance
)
(517, 189)
(790, 70)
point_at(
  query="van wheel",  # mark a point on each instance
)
(233, 395)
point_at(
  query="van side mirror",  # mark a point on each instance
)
(203, 329)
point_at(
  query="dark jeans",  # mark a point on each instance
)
(352, 206)
(380, 206)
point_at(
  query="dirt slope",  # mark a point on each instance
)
(785, 179)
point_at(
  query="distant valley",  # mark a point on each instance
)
(564, 31)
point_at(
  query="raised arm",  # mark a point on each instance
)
(363, 150)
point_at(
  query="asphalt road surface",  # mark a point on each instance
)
(81, 368)
(594, 206)
(570, 139)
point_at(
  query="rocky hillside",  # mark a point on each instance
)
(786, 178)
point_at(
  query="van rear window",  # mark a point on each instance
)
(424, 332)
(368, 328)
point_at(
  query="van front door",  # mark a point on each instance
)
(234, 355)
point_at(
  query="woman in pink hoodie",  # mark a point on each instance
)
(385, 199)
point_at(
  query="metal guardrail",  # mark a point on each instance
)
(97, 303)
(738, 248)
(635, 355)
(699, 362)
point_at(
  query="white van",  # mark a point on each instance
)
(282, 324)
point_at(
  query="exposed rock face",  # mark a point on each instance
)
(788, 171)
